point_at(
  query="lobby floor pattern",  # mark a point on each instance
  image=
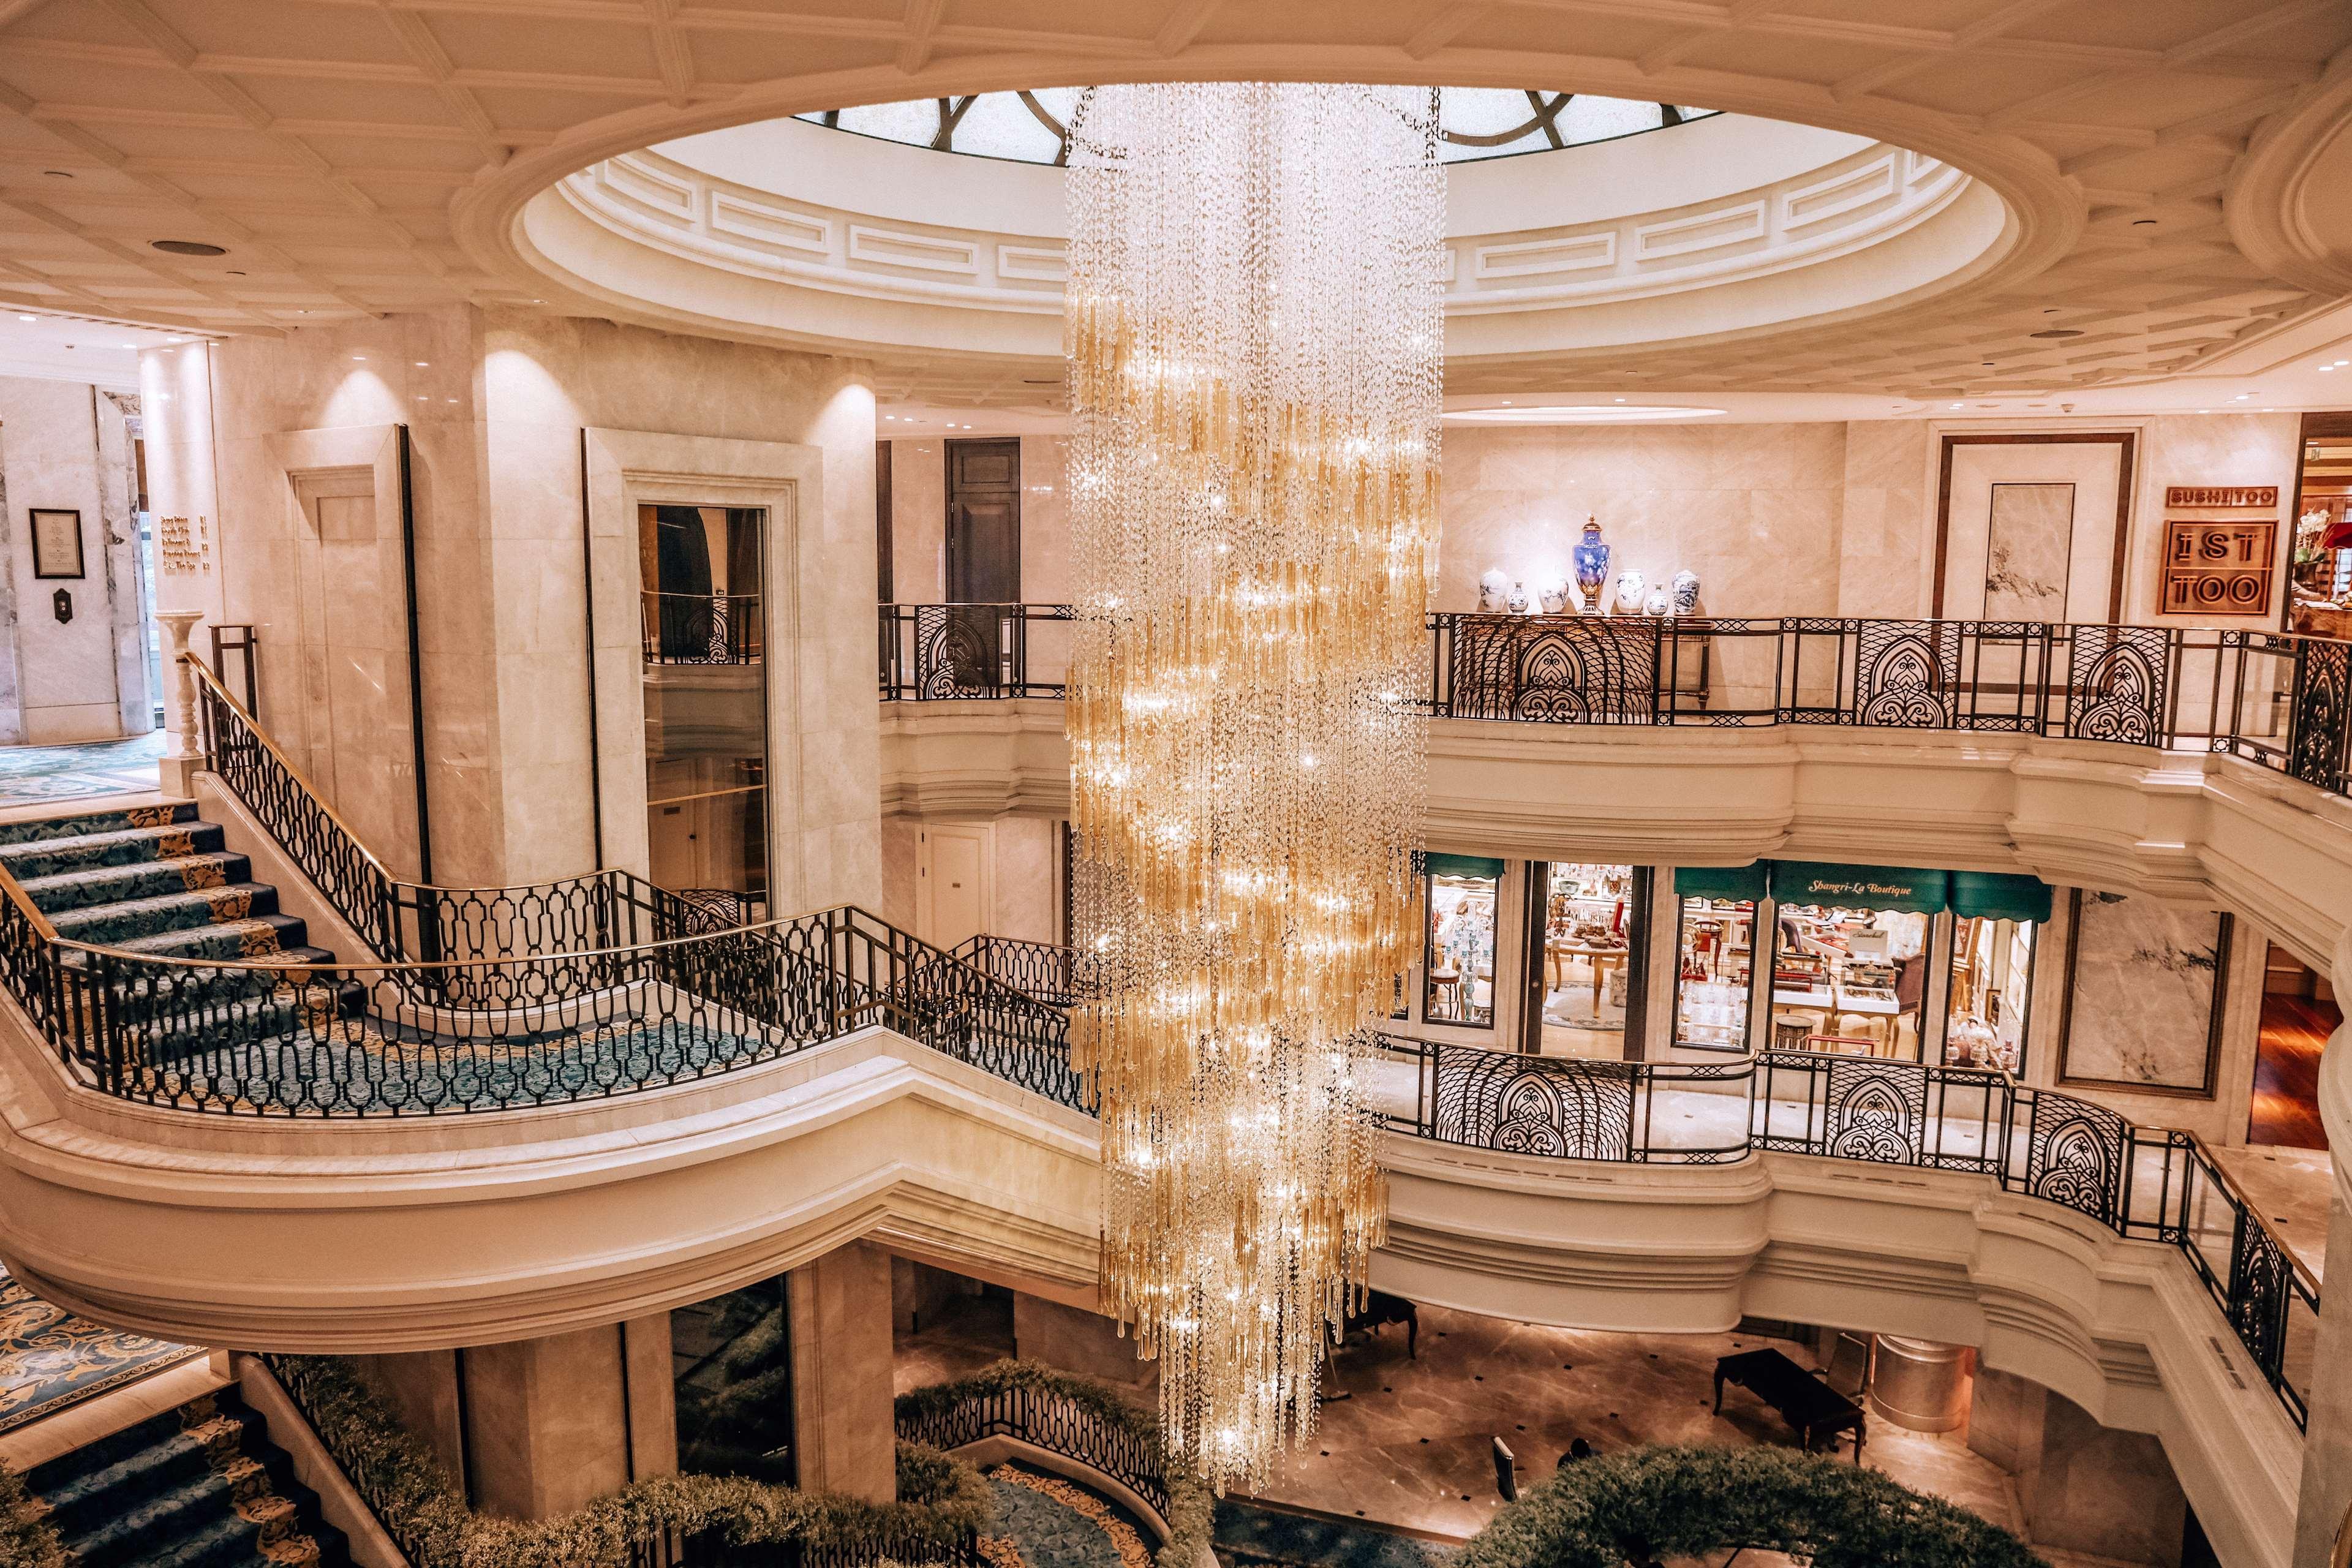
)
(34, 774)
(49, 1359)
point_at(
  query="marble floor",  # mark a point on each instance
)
(1406, 1441)
(39, 774)
(2290, 1186)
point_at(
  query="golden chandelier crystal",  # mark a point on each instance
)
(1255, 333)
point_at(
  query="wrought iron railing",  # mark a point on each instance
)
(1052, 1422)
(941, 651)
(701, 628)
(2281, 701)
(1045, 971)
(2154, 1183)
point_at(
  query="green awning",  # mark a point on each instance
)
(2001, 895)
(1911, 888)
(1461, 865)
(1733, 884)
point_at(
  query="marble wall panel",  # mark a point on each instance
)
(918, 505)
(54, 450)
(1027, 852)
(1755, 509)
(2146, 977)
(1888, 537)
(2208, 449)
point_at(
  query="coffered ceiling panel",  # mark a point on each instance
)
(358, 156)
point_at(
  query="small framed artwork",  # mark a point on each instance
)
(57, 543)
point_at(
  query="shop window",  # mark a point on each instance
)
(1717, 948)
(1459, 966)
(1992, 986)
(1591, 913)
(1848, 980)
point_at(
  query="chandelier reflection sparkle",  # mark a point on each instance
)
(1253, 341)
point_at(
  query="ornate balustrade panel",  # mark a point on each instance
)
(703, 628)
(2282, 702)
(938, 652)
(1052, 1422)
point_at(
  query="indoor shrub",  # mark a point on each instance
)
(1689, 1501)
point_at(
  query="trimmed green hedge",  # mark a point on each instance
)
(1685, 1502)
(941, 1500)
(1192, 1509)
(27, 1540)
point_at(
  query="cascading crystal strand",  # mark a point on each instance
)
(1255, 338)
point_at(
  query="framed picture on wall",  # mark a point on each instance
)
(2146, 983)
(57, 542)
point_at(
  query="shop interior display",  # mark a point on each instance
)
(1460, 964)
(1716, 959)
(1588, 940)
(2319, 581)
(1848, 980)
(1992, 974)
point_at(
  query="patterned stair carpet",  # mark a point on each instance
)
(1249, 1536)
(50, 1359)
(199, 1487)
(30, 776)
(1044, 1520)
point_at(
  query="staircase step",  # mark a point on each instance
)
(82, 890)
(261, 936)
(75, 823)
(121, 847)
(200, 1486)
(167, 912)
(223, 1014)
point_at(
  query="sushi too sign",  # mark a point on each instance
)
(2223, 559)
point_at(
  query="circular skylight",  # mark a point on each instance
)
(1477, 121)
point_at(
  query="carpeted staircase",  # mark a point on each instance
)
(152, 879)
(199, 1487)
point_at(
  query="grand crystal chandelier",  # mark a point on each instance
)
(1255, 333)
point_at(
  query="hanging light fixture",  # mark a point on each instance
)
(1255, 335)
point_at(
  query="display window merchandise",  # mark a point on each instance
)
(1458, 963)
(1717, 953)
(1848, 980)
(1992, 986)
(1850, 960)
(1591, 913)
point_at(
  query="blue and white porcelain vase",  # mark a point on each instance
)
(1591, 559)
(1518, 602)
(1686, 591)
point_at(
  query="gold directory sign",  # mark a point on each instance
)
(183, 545)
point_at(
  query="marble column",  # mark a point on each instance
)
(844, 1438)
(2323, 1510)
(1071, 1339)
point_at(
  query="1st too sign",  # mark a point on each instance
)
(2218, 568)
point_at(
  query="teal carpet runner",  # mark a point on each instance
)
(199, 1487)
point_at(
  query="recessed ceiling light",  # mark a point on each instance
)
(424, 365)
(2327, 370)
(2057, 333)
(175, 340)
(2344, 362)
(24, 318)
(187, 247)
(2142, 222)
(57, 174)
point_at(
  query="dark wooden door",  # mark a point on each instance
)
(983, 522)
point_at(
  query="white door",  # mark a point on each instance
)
(954, 866)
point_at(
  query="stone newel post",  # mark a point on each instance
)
(184, 755)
